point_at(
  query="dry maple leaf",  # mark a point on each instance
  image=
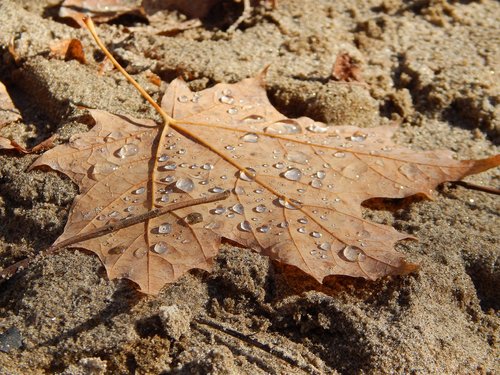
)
(296, 186)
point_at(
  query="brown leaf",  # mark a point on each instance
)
(99, 10)
(345, 69)
(297, 186)
(68, 49)
(9, 144)
(8, 111)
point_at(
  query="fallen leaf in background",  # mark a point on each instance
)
(296, 186)
(345, 69)
(68, 49)
(8, 111)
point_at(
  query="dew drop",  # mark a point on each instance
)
(284, 127)
(245, 226)
(193, 218)
(113, 136)
(293, 174)
(182, 151)
(102, 169)
(229, 147)
(117, 250)
(283, 224)
(169, 179)
(358, 137)
(264, 229)
(238, 208)
(279, 165)
(339, 154)
(258, 191)
(163, 158)
(207, 166)
(316, 183)
(216, 190)
(232, 111)
(219, 210)
(114, 214)
(169, 167)
(185, 184)
(303, 220)
(129, 209)
(226, 99)
(351, 253)
(315, 234)
(248, 174)
(160, 248)
(301, 230)
(250, 138)
(321, 174)
(212, 225)
(260, 208)
(297, 157)
(326, 246)
(101, 217)
(141, 190)
(164, 198)
(182, 99)
(196, 97)
(253, 119)
(165, 228)
(317, 127)
(140, 252)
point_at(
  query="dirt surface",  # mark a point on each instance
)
(431, 65)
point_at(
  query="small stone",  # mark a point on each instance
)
(175, 320)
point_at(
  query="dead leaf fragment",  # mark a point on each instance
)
(346, 70)
(68, 49)
(8, 111)
(296, 186)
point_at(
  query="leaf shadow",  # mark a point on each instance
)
(122, 301)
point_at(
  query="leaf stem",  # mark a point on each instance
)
(91, 28)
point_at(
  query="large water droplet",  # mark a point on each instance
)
(163, 158)
(293, 174)
(185, 184)
(160, 248)
(284, 127)
(248, 174)
(245, 226)
(315, 234)
(207, 166)
(297, 157)
(352, 253)
(193, 218)
(321, 174)
(165, 228)
(250, 138)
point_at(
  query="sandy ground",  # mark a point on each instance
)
(432, 65)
